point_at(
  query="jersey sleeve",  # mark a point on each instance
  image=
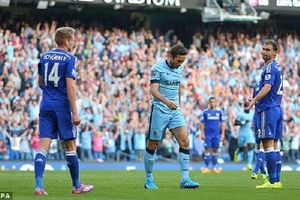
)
(202, 117)
(40, 69)
(239, 117)
(155, 74)
(222, 117)
(269, 75)
(71, 68)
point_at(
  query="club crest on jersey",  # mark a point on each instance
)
(73, 72)
(267, 76)
(153, 73)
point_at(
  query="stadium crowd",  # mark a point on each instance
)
(113, 85)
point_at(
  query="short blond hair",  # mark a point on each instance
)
(63, 34)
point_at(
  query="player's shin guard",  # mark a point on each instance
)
(149, 162)
(263, 166)
(214, 159)
(250, 156)
(207, 159)
(271, 159)
(73, 164)
(260, 159)
(39, 167)
(184, 161)
(278, 165)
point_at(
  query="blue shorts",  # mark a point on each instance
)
(257, 140)
(246, 139)
(160, 121)
(255, 117)
(270, 123)
(212, 141)
(54, 124)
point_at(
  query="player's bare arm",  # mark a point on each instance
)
(156, 94)
(223, 127)
(179, 95)
(262, 93)
(40, 81)
(202, 127)
(71, 90)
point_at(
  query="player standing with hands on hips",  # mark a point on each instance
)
(58, 113)
(166, 113)
(270, 116)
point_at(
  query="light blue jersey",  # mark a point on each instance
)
(246, 128)
(246, 135)
(161, 116)
(169, 82)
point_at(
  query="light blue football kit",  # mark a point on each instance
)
(246, 135)
(161, 116)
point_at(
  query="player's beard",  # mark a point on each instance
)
(267, 58)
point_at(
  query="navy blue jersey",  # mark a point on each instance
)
(169, 82)
(212, 119)
(54, 67)
(272, 74)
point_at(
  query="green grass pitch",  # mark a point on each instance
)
(114, 185)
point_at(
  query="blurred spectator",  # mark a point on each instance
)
(53, 152)
(198, 150)
(139, 138)
(25, 148)
(86, 138)
(110, 146)
(3, 150)
(15, 144)
(286, 148)
(295, 143)
(126, 144)
(97, 144)
(34, 142)
(168, 147)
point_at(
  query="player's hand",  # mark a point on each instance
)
(76, 120)
(251, 103)
(203, 137)
(172, 105)
(222, 137)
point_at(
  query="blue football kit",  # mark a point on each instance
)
(270, 116)
(55, 112)
(212, 130)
